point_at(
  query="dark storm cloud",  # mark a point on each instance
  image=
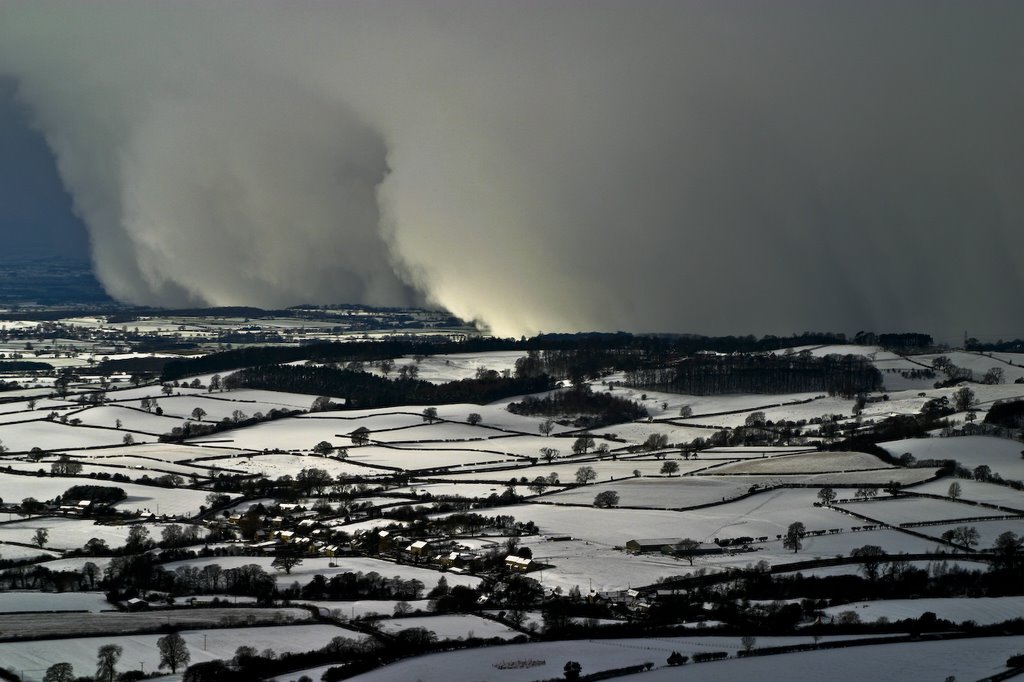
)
(710, 167)
(35, 211)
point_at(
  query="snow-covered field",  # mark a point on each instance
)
(130, 418)
(809, 463)
(1001, 454)
(203, 645)
(142, 498)
(304, 572)
(981, 610)
(988, 531)
(428, 457)
(48, 435)
(456, 626)
(457, 366)
(978, 491)
(659, 493)
(545, 660)
(917, 509)
(769, 513)
(964, 659)
(16, 601)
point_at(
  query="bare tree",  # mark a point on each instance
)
(585, 474)
(549, 454)
(107, 657)
(794, 536)
(173, 652)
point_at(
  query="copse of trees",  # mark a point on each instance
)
(591, 409)
(708, 374)
(364, 390)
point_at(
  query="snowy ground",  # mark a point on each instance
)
(49, 435)
(809, 463)
(1001, 454)
(768, 513)
(917, 509)
(456, 626)
(203, 645)
(659, 493)
(304, 572)
(979, 491)
(981, 610)
(15, 601)
(545, 660)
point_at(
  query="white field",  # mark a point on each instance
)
(458, 626)
(703, 405)
(134, 467)
(216, 408)
(566, 470)
(17, 601)
(978, 491)
(790, 412)
(71, 533)
(8, 551)
(49, 435)
(163, 452)
(595, 655)
(877, 477)
(495, 415)
(964, 659)
(438, 432)
(659, 493)
(467, 490)
(810, 463)
(1002, 455)
(76, 563)
(304, 572)
(141, 498)
(978, 363)
(374, 420)
(522, 446)
(638, 432)
(283, 434)
(131, 419)
(981, 610)
(768, 514)
(425, 458)
(916, 509)
(277, 465)
(440, 369)
(592, 566)
(38, 655)
(988, 531)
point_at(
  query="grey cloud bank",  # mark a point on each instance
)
(707, 167)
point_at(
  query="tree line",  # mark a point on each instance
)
(583, 346)
(364, 390)
(846, 375)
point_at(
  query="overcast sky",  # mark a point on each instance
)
(712, 167)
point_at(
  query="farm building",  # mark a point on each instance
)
(651, 544)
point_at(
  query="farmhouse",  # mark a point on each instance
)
(518, 564)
